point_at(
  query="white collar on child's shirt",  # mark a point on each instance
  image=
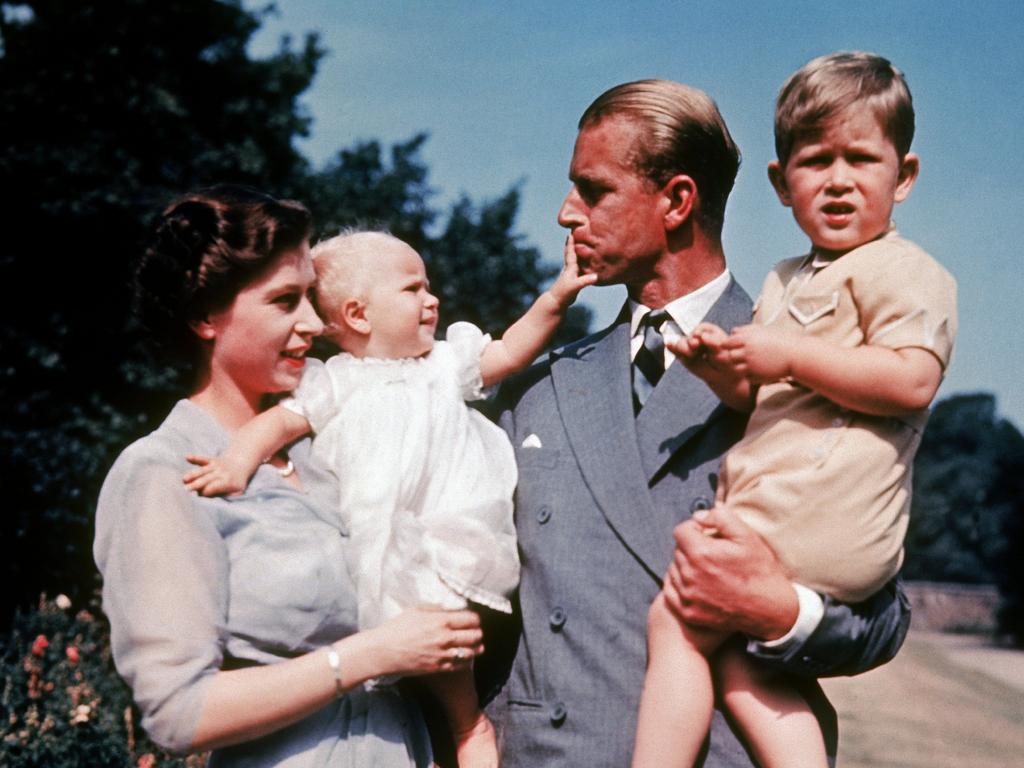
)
(686, 313)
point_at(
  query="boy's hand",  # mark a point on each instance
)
(705, 354)
(214, 476)
(570, 282)
(760, 353)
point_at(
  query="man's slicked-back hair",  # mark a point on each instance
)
(682, 133)
(829, 85)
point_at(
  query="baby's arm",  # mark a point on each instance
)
(875, 380)
(526, 337)
(703, 354)
(259, 438)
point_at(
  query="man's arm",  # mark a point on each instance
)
(724, 576)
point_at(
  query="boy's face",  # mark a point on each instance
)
(843, 183)
(399, 306)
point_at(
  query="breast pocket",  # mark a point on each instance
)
(811, 309)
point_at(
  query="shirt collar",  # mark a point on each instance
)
(686, 311)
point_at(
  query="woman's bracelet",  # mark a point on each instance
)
(334, 662)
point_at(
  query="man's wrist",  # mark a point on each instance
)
(811, 609)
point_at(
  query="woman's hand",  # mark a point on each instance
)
(426, 640)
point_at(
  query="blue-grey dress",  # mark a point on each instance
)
(192, 585)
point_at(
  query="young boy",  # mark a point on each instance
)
(848, 346)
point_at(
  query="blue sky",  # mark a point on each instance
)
(499, 88)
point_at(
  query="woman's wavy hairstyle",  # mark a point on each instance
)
(206, 246)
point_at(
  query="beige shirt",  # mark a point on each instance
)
(827, 487)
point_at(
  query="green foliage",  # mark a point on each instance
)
(967, 520)
(63, 704)
(110, 108)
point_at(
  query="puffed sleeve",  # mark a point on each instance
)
(165, 579)
(910, 301)
(467, 343)
(317, 398)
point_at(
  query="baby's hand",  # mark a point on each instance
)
(760, 352)
(215, 476)
(477, 747)
(570, 282)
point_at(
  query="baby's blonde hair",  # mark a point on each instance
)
(342, 265)
(828, 85)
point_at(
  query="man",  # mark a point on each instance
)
(613, 455)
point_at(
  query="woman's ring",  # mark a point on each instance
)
(460, 654)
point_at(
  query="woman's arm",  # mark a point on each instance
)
(525, 338)
(251, 445)
(419, 641)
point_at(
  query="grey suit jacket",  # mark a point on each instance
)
(595, 507)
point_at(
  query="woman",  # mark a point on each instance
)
(233, 619)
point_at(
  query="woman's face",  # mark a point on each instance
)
(260, 340)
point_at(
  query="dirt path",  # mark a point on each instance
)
(943, 701)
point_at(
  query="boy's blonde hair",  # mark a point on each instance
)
(343, 264)
(828, 85)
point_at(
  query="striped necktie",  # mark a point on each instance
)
(649, 363)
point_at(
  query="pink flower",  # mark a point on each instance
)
(147, 760)
(39, 645)
(72, 653)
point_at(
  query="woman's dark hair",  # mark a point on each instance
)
(206, 246)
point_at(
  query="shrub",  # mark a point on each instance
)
(63, 704)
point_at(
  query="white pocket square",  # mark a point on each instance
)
(532, 441)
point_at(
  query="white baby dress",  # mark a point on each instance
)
(425, 482)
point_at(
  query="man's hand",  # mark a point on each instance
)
(215, 476)
(725, 577)
(570, 282)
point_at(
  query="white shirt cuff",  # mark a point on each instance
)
(811, 610)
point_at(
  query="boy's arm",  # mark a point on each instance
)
(875, 380)
(526, 337)
(702, 353)
(251, 444)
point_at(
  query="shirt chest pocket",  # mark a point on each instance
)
(807, 310)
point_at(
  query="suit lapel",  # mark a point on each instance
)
(594, 394)
(681, 405)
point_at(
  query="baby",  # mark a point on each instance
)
(848, 346)
(425, 482)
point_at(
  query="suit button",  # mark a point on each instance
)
(557, 618)
(558, 713)
(543, 515)
(701, 502)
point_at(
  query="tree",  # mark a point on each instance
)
(966, 487)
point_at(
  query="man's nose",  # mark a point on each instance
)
(570, 215)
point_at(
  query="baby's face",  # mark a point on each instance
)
(399, 305)
(843, 183)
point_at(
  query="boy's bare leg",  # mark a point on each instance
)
(678, 698)
(476, 745)
(776, 721)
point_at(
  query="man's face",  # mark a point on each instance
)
(615, 215)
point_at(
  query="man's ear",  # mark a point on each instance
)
(681, 191)
(910, 166)
(778, 179)
(203, 328)
(353, 313)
